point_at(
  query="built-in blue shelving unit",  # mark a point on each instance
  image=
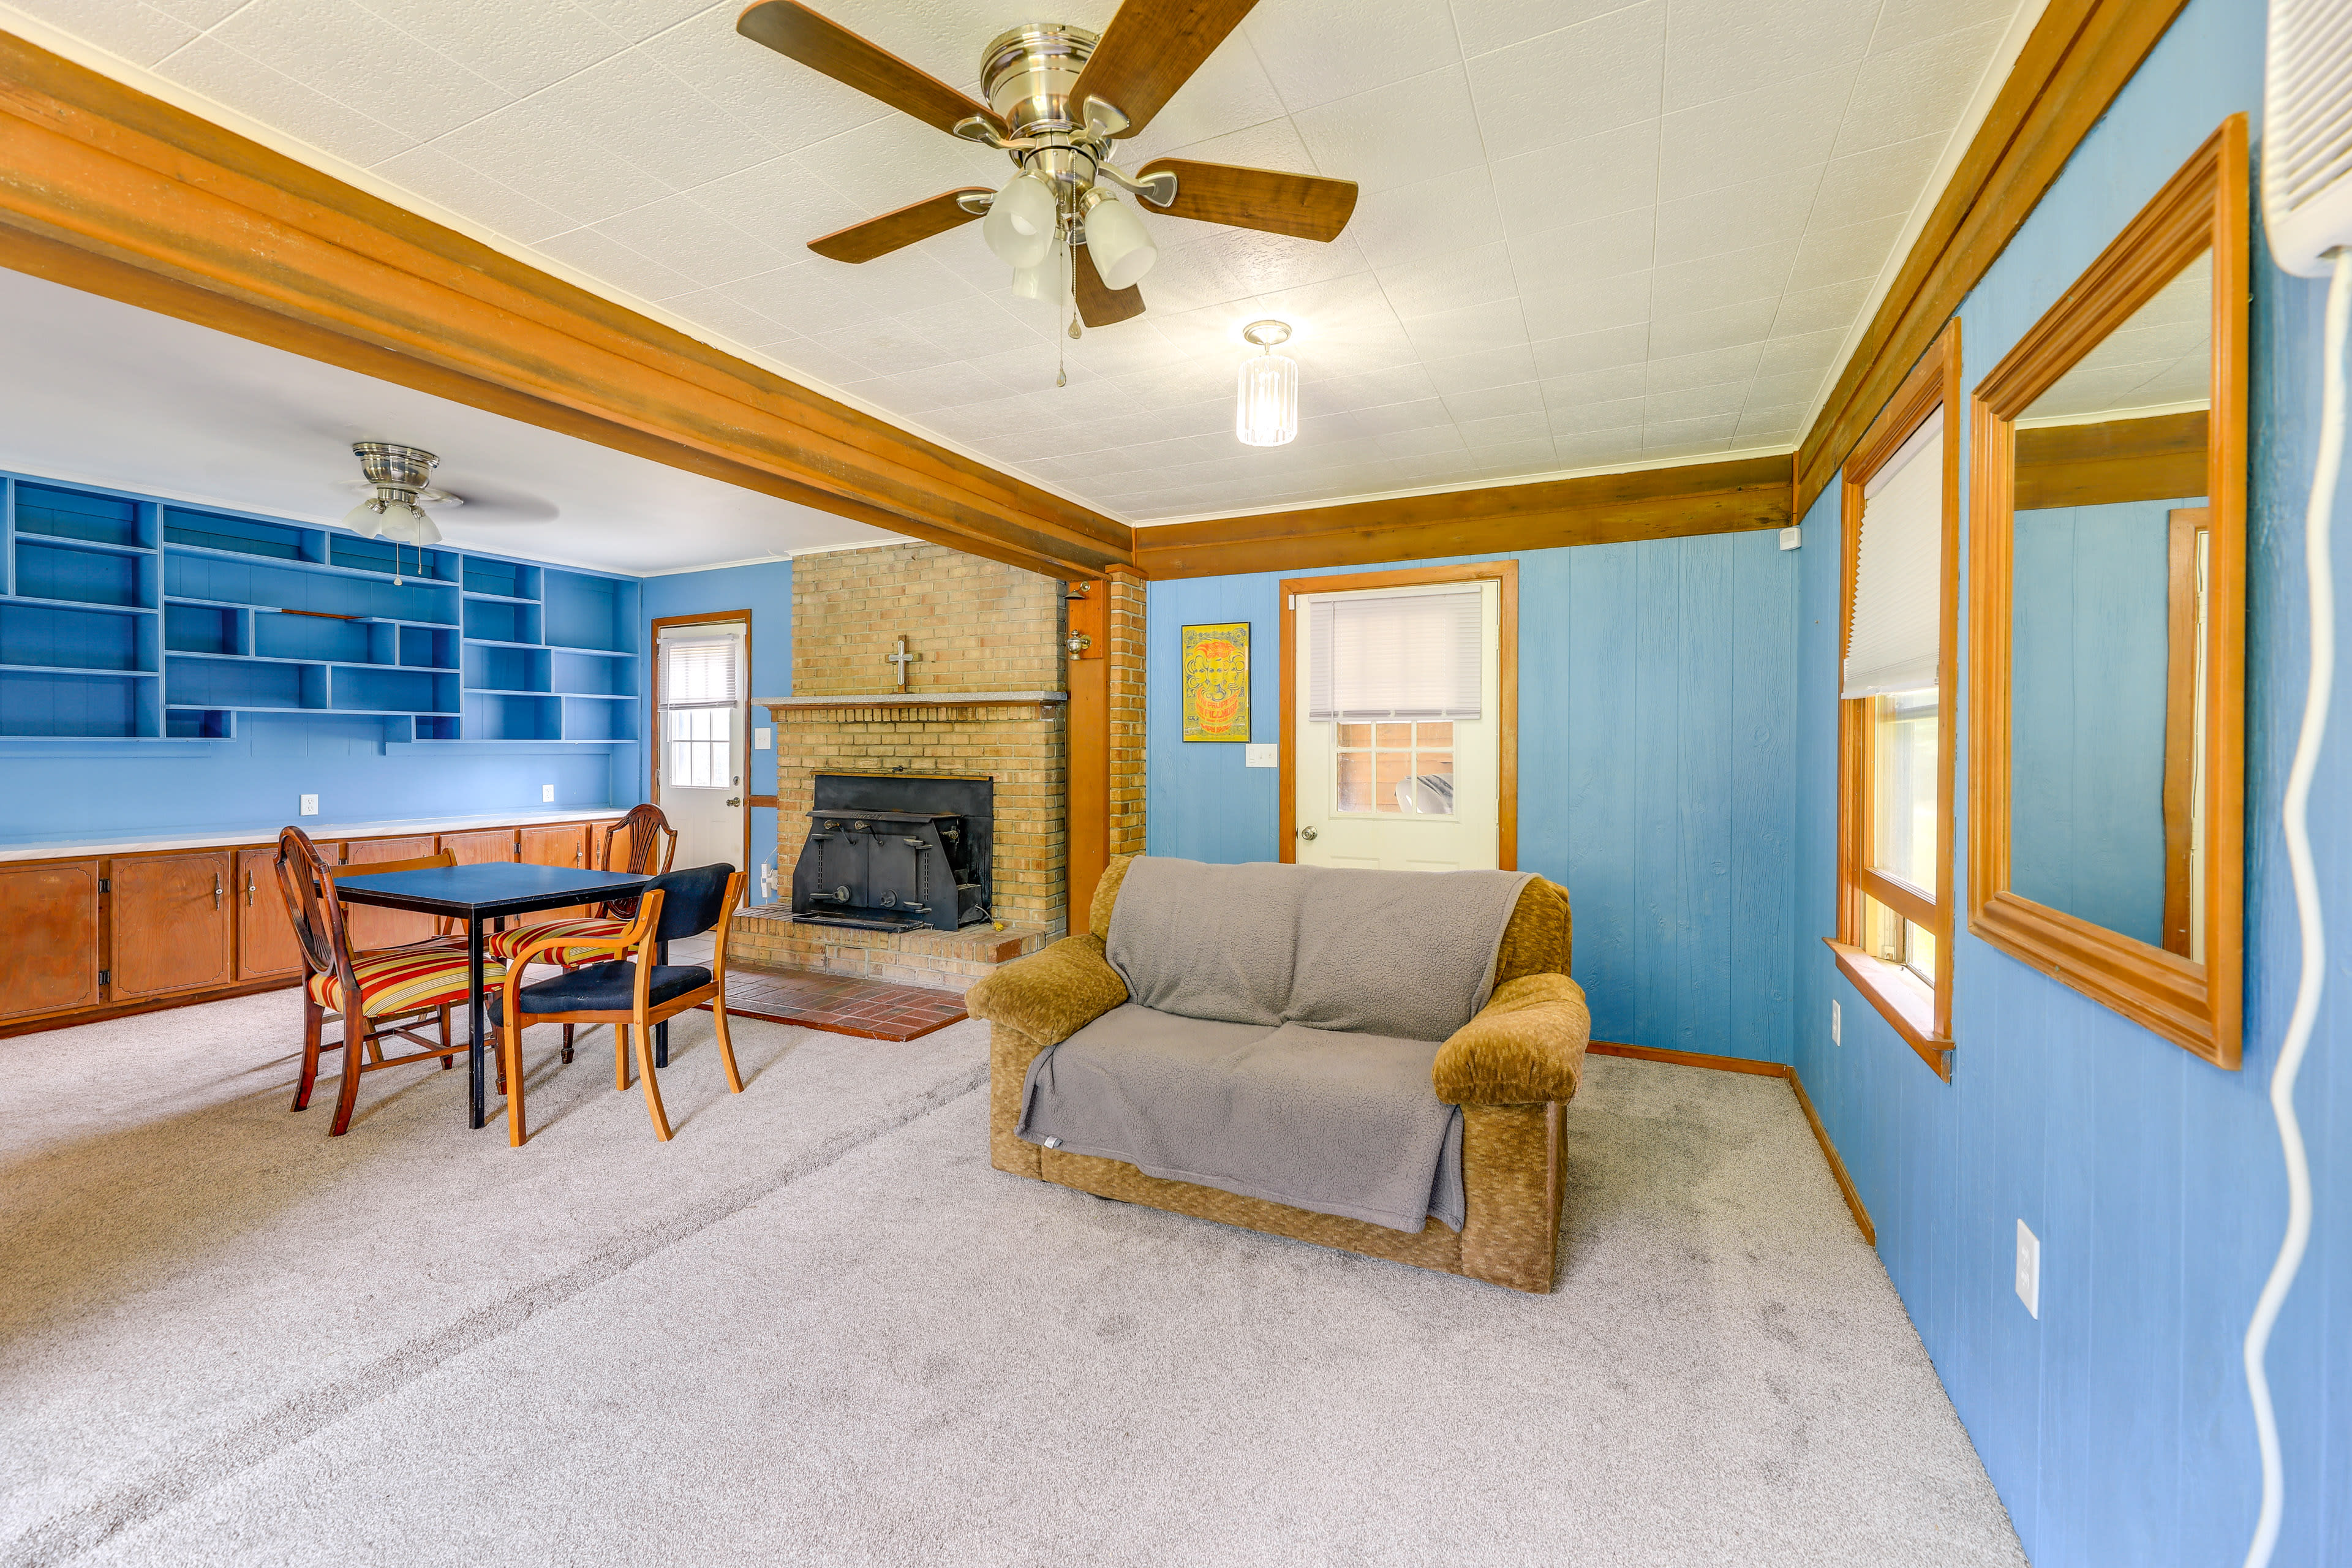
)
(126, 617)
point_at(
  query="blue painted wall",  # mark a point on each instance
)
(1656, 773)
(766, 590)
(2086, 747)
(2117, 1427)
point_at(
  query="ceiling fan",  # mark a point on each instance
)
(1058, 96)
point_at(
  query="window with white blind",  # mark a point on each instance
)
(1407, 656)
(701, 691)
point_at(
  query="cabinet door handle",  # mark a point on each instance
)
(216, 890)
(248, 889)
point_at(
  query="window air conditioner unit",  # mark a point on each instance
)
(2307, 133)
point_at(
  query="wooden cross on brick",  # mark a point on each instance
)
(902, 658)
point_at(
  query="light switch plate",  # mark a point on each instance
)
(310, 805)
(1263, 754)
(2029, 1269)
(762, 740)
(547, 793)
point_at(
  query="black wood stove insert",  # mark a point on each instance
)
(897, 852)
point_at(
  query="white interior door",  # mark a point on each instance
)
(1405, 772)
(705, 741)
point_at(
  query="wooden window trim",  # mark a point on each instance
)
(1921, 1014)
(1506, 575)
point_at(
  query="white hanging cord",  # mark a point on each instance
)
(2317, 522)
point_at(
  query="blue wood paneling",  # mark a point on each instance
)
(1656, 712)
(766, 590)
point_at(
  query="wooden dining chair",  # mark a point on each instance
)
(650, 844)
(627, 986)
(375, 993)
(444, 936)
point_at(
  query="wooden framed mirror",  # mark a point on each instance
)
(2107, 628)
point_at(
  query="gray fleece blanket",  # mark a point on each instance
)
(1278, 1040)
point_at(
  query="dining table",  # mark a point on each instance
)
(479, 894)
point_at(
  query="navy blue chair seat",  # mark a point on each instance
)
(610, 987)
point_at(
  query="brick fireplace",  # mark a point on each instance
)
(986, 695)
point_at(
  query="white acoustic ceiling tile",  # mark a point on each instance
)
(1419, 440)
(902, 282)
(1365, 139)
(1471, 373)
(1394, 419)
(461, 187)
(1840, 255)
(1884, 182)
(1496, 402)
(1485, 26)
(599, 255)
(1814, 352)
(231, 77)
(1496, 325)
(1579, 254)
(632, 106)
(1693, 402)
(1472, 276)
(1737, 217)
(814, 295)
(1599, 448)
(138, 32)
(358, 59)
(1921, 91)
(532, 147)
(1591, 308)
(1901, 23)
(1295, 41)
(1369, 389)
(780, 202)
(1132, 349)
(784, 104)
(1788, 386)
(1719, 48)
(640, 20)
(1789, 123)
(1230, 90)
(1683, 372)
(1732, 278)
(729, 318)
(810, 362)
(1573, 82)
(1576, 181)
(1594, 351)
(1193, 276)
(1684, 448)
(1261, 142)
(1516, 459)
(521, 48)
(970, 327)
(1782, 423)
(1577, 387)
(1577, 416)
(1410, 223)
(681, 234)
(198, 13)
(891, 162)
(1705, 331)
(1506, 428)
(1711, 427)
(938, 386)
(1824, 309)
(1282, 263)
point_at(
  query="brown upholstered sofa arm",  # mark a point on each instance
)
(1052, 993)
(1525, 1047)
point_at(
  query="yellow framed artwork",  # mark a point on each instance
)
(1216, 682)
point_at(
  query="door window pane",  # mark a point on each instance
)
(1402, 769)
(701, 748)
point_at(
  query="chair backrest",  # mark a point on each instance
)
(694, 901)
(307, 883)
(651, 844)
(379, 868)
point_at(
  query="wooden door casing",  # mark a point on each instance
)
(379, 927)
(169, 919)
(265, 948)
(49, 962)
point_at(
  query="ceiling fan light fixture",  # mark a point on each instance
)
(1020, 224)
(1121, 246)
(1265, 397)
(1044, 280)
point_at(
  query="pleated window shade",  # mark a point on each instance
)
(1411, 656)
(1892, 635)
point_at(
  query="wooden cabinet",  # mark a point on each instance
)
(565, 846)
(387, 927)
(169, 919)
(266, 947)
(49, 959)
(481, 849)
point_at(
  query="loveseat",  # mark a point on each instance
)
(1511, 1068)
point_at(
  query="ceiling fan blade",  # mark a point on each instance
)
(894, 231)
(800, 34)
(1099, 305)
(1305, 206)
(1151, 48)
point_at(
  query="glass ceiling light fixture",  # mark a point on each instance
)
(1266, 404)
(398, 492)
(1022, 222)
(1117, 240)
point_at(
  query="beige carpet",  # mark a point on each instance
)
(818, 1328)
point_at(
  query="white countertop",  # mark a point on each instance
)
(917, 697)
(62, 849)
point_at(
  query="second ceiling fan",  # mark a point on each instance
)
(1058, 96)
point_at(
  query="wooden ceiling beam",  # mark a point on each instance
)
(1600, 509)
(2077, 58)
(109, 190)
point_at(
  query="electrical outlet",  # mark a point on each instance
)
(2029, 1271)
(547, 793)
(1262, 754)
(310, 805)
(1837, 1026)
(762, 740)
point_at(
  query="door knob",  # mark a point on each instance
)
(735, 800)
(1307, 834)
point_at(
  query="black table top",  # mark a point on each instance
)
(485, 891)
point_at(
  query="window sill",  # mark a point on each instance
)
(1901, 999)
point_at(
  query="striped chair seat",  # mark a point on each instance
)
(503, 945)
(404, 980)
